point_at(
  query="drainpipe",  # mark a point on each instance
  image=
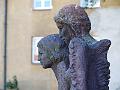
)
(5, 43)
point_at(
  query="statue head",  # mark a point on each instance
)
(72, 21)
(49, 49)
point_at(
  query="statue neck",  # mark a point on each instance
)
(88, 38)
(59, 71)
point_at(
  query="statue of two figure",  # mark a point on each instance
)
(77, 59)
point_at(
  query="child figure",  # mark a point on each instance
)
(53, 54)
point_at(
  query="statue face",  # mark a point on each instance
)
(50, 50)
(65, 32)
(44, 58)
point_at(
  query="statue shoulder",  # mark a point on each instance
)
(76, 42)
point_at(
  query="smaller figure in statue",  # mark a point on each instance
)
(52, 54)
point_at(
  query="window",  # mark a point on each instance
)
(35, 41)
(42, 4)
(90, 3)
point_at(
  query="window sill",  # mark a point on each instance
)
(42, 8)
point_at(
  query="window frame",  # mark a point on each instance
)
(34, 49)
(42, 7)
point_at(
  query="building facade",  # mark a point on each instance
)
(24, 22)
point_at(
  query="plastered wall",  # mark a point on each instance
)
(23, 23)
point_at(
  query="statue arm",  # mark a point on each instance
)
(77, 68)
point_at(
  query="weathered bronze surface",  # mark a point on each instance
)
(77, 59)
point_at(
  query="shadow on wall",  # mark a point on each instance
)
(118, 88)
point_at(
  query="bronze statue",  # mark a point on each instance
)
(87, 67)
